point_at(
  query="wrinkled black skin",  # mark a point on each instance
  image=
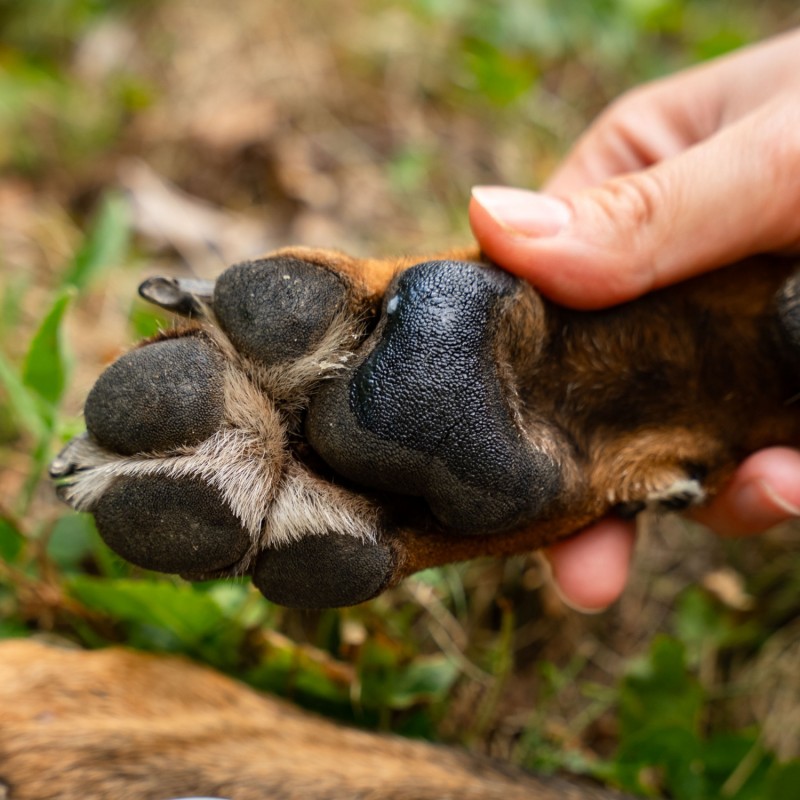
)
(423, 413)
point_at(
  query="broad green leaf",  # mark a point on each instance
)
(659, 692)
(737, 765)
(105, 244)
(675, 750)
(45, 368)
(188, 614)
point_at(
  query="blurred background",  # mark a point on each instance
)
(142, 137)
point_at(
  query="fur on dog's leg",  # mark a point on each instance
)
(120, 725)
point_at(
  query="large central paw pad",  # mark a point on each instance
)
(423, 410)
(197, 457)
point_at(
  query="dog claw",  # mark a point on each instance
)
(64, 464)
(184, 296)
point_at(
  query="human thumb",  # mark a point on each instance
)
(731, 196)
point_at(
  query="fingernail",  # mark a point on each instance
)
(781, 502)
(754, 496)
(567, 601)
(521, 212)
(576, 606)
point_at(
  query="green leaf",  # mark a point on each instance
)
(737, 765)
(678, 753)
(72, 540)
(660, 710)
(145, 322)
(11, 629)
(26, 407)
(659, 692)
(45, 368)
(288, 671)
(105, 244)
(191, 616)
(11, 540)
(783, 780)
(426, 679)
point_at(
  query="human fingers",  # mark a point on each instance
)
(730, 196)
(591, 569)
(662, 118)
(764, 492)
(646, 125)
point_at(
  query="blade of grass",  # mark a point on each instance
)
(25, 406)
(44, 370)
(104, 245)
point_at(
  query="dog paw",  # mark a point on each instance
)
(189, 463)
(330, 426)
(275, 434)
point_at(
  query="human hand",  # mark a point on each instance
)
(676, 178)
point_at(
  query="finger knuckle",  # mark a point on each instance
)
(628, 114)
(635, 200)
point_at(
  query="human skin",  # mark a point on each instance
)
(676, 178)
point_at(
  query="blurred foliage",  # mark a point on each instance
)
(403, 661)
(664, 744)
(50, 113)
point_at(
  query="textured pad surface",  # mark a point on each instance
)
(276, 309)
(425, 413)
(180, 525)
(161, 396)
(324, 572)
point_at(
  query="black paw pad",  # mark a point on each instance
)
(277, 309)
(324, 572)
(181, 525)
(425, 413)
(158, 397)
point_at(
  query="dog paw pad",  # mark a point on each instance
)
(324, 571)
(180, 525)
(158, 397)
(276, 309)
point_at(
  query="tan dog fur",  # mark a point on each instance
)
(120, 725)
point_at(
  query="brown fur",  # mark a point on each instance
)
(120, 725)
